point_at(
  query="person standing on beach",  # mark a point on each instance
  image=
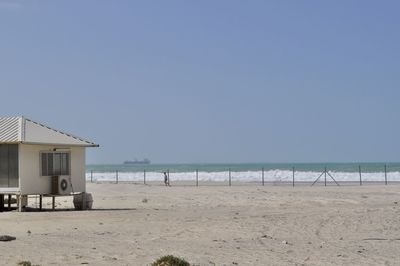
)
(166, 181)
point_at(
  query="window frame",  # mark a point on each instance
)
(9, 166)
(54, 173)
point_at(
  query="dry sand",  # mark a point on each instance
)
(212, 225)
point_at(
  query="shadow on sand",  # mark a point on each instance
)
(72, 209)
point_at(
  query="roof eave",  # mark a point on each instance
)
(10, 142)
(61, 144)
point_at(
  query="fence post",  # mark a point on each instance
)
(168, 177)
(91, 176)
(116, 176)
(230, 182)
(293, 176)
(325, 175)
(197, 177)
(144, 176)
(263, 176)
(359, 170)
(385, 175)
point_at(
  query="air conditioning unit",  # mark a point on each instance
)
(61, 185)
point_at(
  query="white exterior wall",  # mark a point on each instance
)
(30, 181)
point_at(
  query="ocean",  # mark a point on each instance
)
(246, 172)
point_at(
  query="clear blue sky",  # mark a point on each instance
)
(208, 81)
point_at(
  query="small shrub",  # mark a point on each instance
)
(26, 263)
(170, 261)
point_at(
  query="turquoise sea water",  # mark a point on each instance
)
(247, 167)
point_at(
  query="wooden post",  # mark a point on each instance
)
(325, 175)
(262, 171)
(293, 177)
(19, 202)
(116, 176)
(40, 202)
(91, 176)
(168, 178)
(385, 175)
(144, 176)
(54, 203)
(1, 202)
(359, 171)
(197, 177)
(9, 202)
(230, 181)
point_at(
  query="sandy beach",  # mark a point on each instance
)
(133, 224)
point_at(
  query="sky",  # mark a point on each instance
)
(222, 81)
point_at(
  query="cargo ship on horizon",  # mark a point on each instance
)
(144, 161)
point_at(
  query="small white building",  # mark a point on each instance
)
(38, 160)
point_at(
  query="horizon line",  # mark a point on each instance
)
(238, 163)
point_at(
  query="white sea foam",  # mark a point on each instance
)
(250, 176)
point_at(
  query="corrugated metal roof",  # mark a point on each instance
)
(9, 129)
(24, 130)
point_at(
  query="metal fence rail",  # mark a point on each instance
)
(326, 177)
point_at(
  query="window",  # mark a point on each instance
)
(55, 163)
(8, 165)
